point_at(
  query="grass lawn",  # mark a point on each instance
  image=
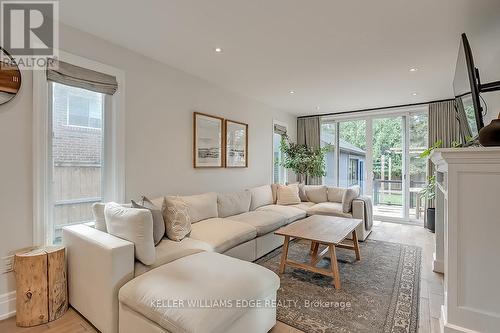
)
(391, 199)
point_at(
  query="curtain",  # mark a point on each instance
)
(71, 75)
(443, 125)
(462, 119)
(308, 133)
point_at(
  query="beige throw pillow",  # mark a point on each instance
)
(288, 195)
(158, 223)
(177, 218)
(350, 194)
(134, 225)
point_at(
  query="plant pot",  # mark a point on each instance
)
(430, 221)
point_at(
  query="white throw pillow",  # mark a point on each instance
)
(350, 194)
(261, 196)
(288, 195)
(177, 218)
(100, 220)
(335, 194)
(230, 204)
(316, 193)
(134, 225)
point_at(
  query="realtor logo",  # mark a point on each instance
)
(30, 31)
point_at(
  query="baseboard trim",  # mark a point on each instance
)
(7, 305)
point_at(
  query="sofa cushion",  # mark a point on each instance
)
(316, 193)
(288, 194)
(158, 222)
(177, 218)
(305, 205)
(302, 192)
(200, 206)
(222, 234)
(263, 221)
(261, 196)
(328, 208)
(290, 213)
(100, 220)
(350, 194)
(169, 250)
(207, 277)
(134, 225)
(233, 203)
(274, 191)
(335, 194)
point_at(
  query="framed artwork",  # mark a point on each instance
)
(208, 146)
(236, 144)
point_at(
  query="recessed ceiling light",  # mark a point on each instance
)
(292, 92)
(218, 50)
(413, 69)
(414, 94)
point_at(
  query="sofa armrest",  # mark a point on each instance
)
(358, 209)
(99, 264)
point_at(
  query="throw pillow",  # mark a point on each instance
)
(288, 195)
(350, 194)
(229, 204)
(177, 218)
(98, 212)
(335, 194)
(134, 225)
(158, 223)
(316, 193)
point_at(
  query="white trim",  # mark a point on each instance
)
(7, 305)
(114, 167)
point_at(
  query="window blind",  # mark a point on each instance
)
(75, 76)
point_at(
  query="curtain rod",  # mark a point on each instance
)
(375, 109)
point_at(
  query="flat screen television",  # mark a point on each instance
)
(466, 86)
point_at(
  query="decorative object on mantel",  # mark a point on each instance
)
(208, 146)
(489, 136)
(10, 77)
(236, 144)
(303, 160)
(42, 290)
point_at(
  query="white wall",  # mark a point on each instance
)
(160, 101)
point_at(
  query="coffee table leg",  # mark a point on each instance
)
(335, 266)
(284, 255)
(356, 245)
(314, 253)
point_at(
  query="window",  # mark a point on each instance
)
(353, 172)
(84, 108)
(328, 139)
(79, 143)
(77, 155)
(279, 172)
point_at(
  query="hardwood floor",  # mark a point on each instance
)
(431, 288)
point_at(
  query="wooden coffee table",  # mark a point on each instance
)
(327, 230)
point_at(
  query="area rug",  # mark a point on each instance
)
(380, 293)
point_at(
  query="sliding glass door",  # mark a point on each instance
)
(380, 153)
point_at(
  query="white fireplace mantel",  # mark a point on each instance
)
(468, 237)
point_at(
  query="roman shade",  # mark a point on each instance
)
(75, 76)
(279, 129)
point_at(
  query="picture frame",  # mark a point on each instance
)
(208, 141)
(236, 146)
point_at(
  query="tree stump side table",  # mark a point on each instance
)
(42, 290)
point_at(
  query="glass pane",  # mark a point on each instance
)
(388, 187)
(328, 139)
(418, 166)
(278, 170)
(77, 155)
(352, 154)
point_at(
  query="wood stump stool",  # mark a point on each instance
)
(42, 290)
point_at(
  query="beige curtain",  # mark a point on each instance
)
(443, 125)
(308, 133)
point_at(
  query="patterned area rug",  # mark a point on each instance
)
(380, 293)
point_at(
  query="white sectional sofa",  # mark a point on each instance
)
(100, 265)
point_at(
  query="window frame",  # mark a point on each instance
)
(113, 137)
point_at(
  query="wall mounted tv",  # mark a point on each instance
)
(467, 88)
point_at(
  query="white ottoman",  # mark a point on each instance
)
(203, 292)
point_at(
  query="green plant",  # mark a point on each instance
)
(429, 150)
(303, 160)
(429, 191)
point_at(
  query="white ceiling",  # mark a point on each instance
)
(337, 55)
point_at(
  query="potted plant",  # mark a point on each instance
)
(429, 191)
(303, 160)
